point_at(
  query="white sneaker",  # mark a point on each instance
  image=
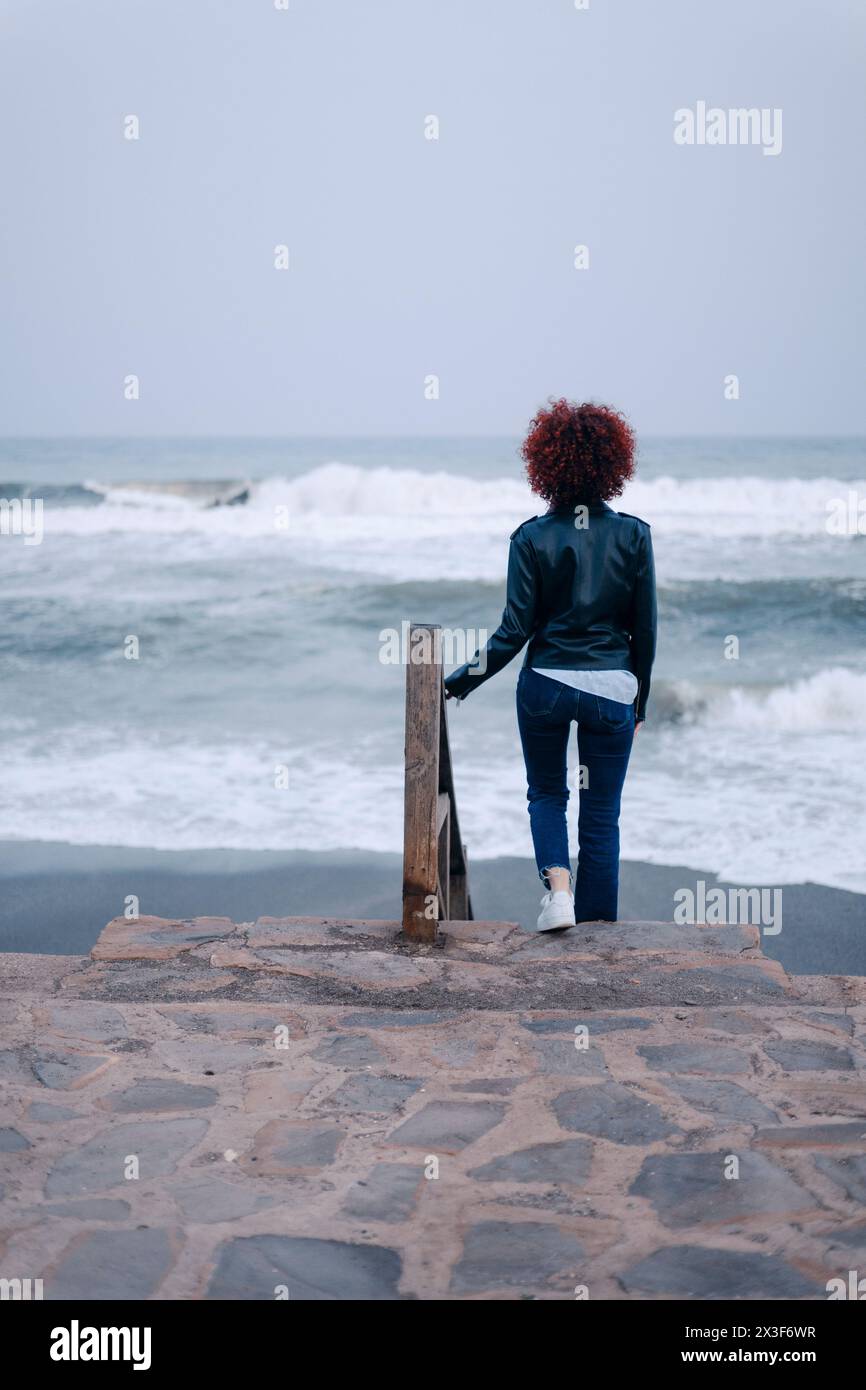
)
(557, 910)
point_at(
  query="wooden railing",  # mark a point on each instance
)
(435, 879)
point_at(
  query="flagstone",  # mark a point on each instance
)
(828, 1136)
(157, 938)
(206, 1200)
(564, 1160)
(83, 1019)
(848, 1173)
(723, 1099)
(691, 1189)
(348, 1050)
(521, 1254)
(102, 1161)
(11, 1141)
(302, 1269)
(448, 1126)
(842, 1023)
(91, 1209)
(388, 1193)
(733, 1021)
(108, 1265)
(44, 1114)
(161, 1093)
(372, 1095)
(853, 1236)
(213, 1058)
(613, 1112)
(286, 1146)
(61, 1069)
(222, 1019)
(804, 1054)
(276, 1090)
(706, 1059)
(597, 1024)
(13, 1066)
(561, 1057)
(399, 1018)
(699, 1271)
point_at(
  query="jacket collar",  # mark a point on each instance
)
(595, 507)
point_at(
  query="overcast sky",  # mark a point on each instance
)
(411, 256)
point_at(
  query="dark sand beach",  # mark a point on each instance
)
(56, 898)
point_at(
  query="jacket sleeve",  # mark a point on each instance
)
(644, 622)
(516, 627)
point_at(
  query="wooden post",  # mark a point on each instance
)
(459, 906)
(421, 904)
(435, 880)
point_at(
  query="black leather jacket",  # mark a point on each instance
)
(582, 596)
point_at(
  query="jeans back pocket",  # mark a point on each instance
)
(613, 714)
(537, 694)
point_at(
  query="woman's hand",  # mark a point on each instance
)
(638, 726)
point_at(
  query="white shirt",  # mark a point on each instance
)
(611, 685)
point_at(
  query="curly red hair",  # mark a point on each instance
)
(576, 453)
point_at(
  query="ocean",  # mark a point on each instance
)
(257, 577)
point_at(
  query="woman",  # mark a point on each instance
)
(581, 592)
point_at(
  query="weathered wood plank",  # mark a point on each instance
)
(446, 784)
(458, 897)
(420, 839)
(444, 860)
(435, 874)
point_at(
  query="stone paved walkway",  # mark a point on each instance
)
(308, 1109)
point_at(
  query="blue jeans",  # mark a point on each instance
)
(605, 732)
